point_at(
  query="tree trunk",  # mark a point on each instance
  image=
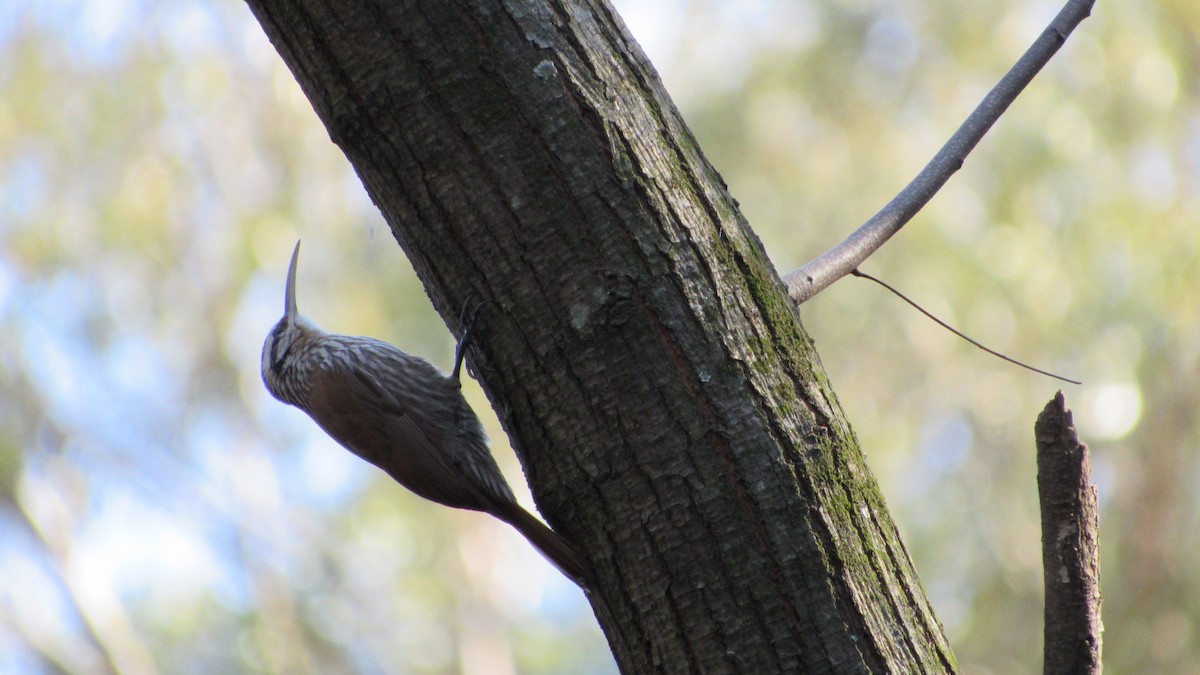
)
(670, 413)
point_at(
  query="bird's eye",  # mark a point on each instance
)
(281, 342)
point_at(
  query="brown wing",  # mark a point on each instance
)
(358, 412)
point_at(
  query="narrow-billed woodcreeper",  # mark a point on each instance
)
(400, 413)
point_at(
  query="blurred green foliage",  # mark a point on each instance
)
(159, 511)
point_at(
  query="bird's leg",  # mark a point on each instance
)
(467, 319)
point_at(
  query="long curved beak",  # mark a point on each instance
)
(289, 304)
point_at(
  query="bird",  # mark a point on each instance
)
(402, 414)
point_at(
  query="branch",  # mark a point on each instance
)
(1070, 549)
(837, 262)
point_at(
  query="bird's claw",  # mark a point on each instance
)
(467, 318)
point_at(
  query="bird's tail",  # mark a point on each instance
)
(557, 550)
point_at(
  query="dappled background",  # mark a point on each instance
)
(158, 511)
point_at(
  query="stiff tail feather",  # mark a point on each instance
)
(557, 550)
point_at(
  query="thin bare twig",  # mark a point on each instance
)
(1070, 544)
(959, 333)
(817, 274)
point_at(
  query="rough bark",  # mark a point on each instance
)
(1070, 543)
(668, 408)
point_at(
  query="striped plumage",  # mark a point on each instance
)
(400, 413)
